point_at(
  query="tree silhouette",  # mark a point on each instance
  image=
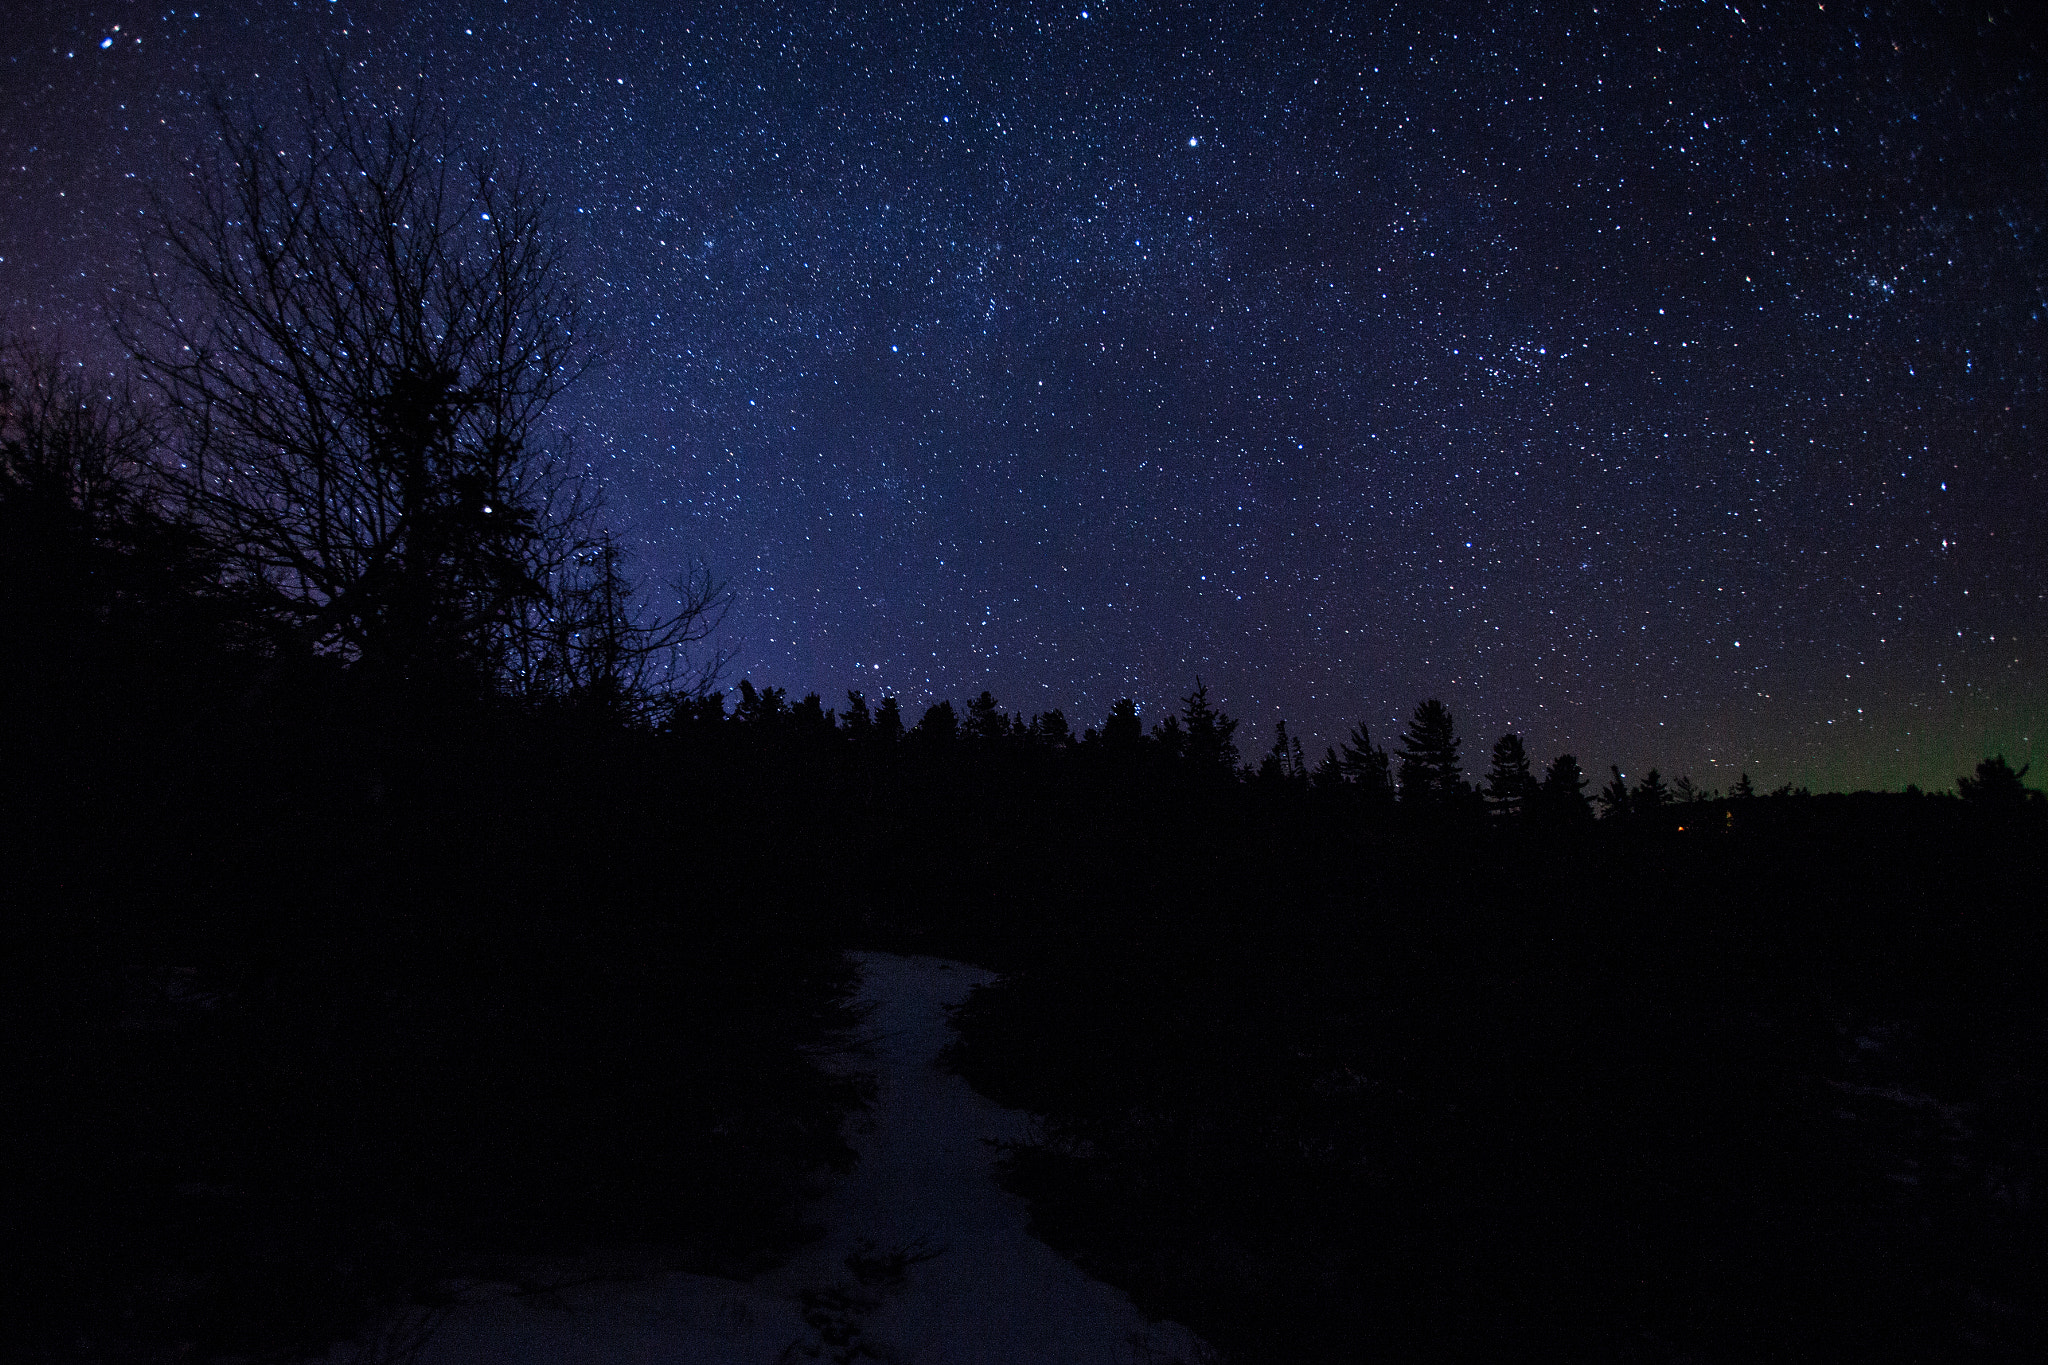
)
(1170, 739)
(62, 445)
(1563, 795)
(355, 325)
(1283, 763)
(766, 709)
(860, 724)
(1366, 764)
(1614, 803)
(986, 721)
(1122, 732)
(1510, 786)
(690, 711)
(1049, 730)
(587, 641)
(812, 718)
(1996, 786)
(940, 726)
(1650, 795)
(1209, 732)
(889, 722)
(1430, 773)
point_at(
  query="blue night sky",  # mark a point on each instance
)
(1662, 381)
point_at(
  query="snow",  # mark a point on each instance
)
(924, 1260)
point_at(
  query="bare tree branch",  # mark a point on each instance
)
(355, 327)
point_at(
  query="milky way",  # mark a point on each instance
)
(1663, 382)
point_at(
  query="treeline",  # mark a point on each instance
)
(1197, 748)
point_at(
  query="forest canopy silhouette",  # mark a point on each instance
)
(395, 893)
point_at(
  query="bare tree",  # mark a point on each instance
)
(64, 444)
(587, 641)
(355, 326)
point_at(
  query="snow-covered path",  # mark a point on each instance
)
(924, 1260)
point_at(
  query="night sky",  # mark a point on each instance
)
(1664, 381)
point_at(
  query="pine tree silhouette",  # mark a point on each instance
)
(1366, 764)
(1283, 762)
(1430, 773)
(986, 721)
(1510, 786)
(860, 724)
(1614, 796)
(889, 721)
(1123, 732)
(1563, 794)
(1209, 732)
(940, 726)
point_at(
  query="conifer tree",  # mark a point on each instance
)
(1284, 762)
(1209, 732)
(1510, 786)
(587, 640)
(767, 708)
(811, 717)
(860, 723)
(1614, 796)
(986, 721)
(1430, 772)
(1366, 764)
(1122, 732)
(1170, 739)
(1050, 730)
(940, 726)
(1564, 791)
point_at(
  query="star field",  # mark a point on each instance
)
(1662, 381)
